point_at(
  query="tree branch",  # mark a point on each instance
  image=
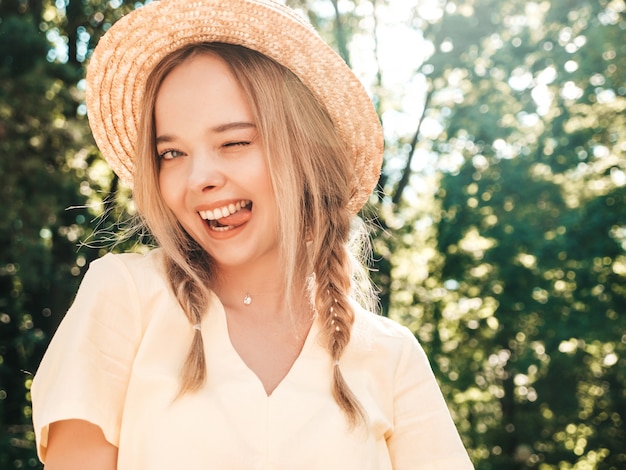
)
(406, 173)
(340, 35)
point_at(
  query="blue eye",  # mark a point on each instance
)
(170, 154)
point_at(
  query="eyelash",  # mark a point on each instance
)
(162, 155)
(237, 144)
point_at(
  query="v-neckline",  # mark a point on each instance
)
(222, 334)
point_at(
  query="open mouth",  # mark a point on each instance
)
(229, 216)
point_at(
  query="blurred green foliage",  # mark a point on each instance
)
(513, 275)
(500, 228)
(53, 190)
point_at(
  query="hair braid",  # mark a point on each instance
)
(333, 285)
(192, 296)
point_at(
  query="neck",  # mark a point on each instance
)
(260, 291)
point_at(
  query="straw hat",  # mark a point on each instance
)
(136, 43)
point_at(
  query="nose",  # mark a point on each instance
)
(205, 172)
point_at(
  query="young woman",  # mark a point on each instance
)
(242, 341)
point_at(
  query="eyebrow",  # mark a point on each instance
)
(216, 130)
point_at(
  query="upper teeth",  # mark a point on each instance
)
(224, 211)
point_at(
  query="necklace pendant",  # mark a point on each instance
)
(247, 300)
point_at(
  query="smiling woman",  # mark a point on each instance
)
(211, 157)
(249, 154)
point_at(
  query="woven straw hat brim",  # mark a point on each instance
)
(135, 44)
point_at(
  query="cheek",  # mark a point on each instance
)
(170, 192)
(262, 175)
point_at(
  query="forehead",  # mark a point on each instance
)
(198, 73)
(200, 90)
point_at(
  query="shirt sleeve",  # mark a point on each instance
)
(424, 435)
(85, 371)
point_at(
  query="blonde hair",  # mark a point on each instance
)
(312, 179)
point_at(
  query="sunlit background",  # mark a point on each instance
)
(499, 225)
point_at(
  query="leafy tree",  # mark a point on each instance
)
(526, 266)
(52, 187)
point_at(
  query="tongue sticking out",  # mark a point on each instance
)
(237, 218)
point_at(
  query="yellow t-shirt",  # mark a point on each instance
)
(116, 358)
